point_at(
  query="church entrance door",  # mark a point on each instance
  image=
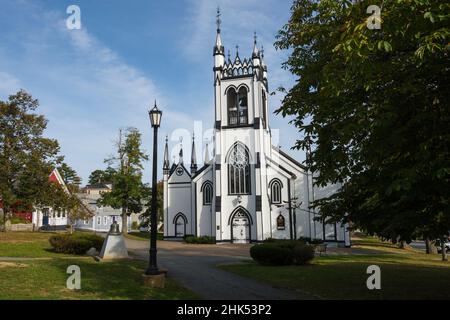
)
(180, 227)
(240, 228)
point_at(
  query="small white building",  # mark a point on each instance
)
(48, 217)
(248, 190)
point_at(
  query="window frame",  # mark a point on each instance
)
(207, 190)
(243, 184)
(276, 183)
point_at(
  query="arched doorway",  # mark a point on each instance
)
(240, 227)
(180, 222)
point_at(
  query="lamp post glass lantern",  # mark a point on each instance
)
(155, 119)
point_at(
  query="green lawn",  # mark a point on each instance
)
(137, 235)
(46, 279)
(26, 245)
(405, 274)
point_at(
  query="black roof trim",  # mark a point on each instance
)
(291, 159)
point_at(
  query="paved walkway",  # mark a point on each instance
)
(194, 266)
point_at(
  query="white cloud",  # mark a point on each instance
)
(8, 84)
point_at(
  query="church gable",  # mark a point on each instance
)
(180, 175)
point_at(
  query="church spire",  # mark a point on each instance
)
(193, 157)
(166, 163)
(218, 48)
(255, 53)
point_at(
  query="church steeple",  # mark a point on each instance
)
(255, 53)
(193, 157)
(218, 48)
(166, 164)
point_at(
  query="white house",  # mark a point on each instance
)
(249, 190)
(47, 217)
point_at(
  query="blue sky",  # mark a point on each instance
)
(93, 81)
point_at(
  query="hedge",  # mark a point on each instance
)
(270, 254)
(200, 240)
(282, 253)
(77, 243)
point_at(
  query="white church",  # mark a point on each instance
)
(249, 190)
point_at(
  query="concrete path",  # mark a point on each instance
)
(194, 266)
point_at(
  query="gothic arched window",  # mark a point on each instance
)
(237, 104)
(207, 191)
(243, 106)
(232, 107)
(281, 223)
(275, 191)
(238, 170)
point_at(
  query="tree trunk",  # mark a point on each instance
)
(427, 245)
(402, 245)
(124, 221)
(443, 249)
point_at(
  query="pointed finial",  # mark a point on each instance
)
(218, 21)
(229, 55)
(255, 53)
(262, 51)
(155, 103)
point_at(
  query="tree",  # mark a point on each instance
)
(26, 156)
(372, 105)
(101, 176)
(67, 199)
(69, 175)
(159, 204)
(128, 190)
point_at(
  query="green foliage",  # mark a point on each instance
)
(26, 156)
(102, 176)
(134, 225)
(127, 188)
(271, 254)
(299, 251)
(302, 254)
(200, 240)
(77, 243)
(69, 175)
(159, 204)
(372, 109)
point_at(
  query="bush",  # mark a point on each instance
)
(270, 254)
(282, 252)
(77, 243)
(134, 225)
(200, 240)
(302, 254)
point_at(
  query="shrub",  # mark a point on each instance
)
(200, 240)
(134, 225)
(302, 254)
(77, 243)
(270, 254)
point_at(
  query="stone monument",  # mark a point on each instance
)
(114, 245)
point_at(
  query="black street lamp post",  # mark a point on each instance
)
(155, 119)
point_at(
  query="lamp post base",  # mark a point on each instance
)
(154, 280)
